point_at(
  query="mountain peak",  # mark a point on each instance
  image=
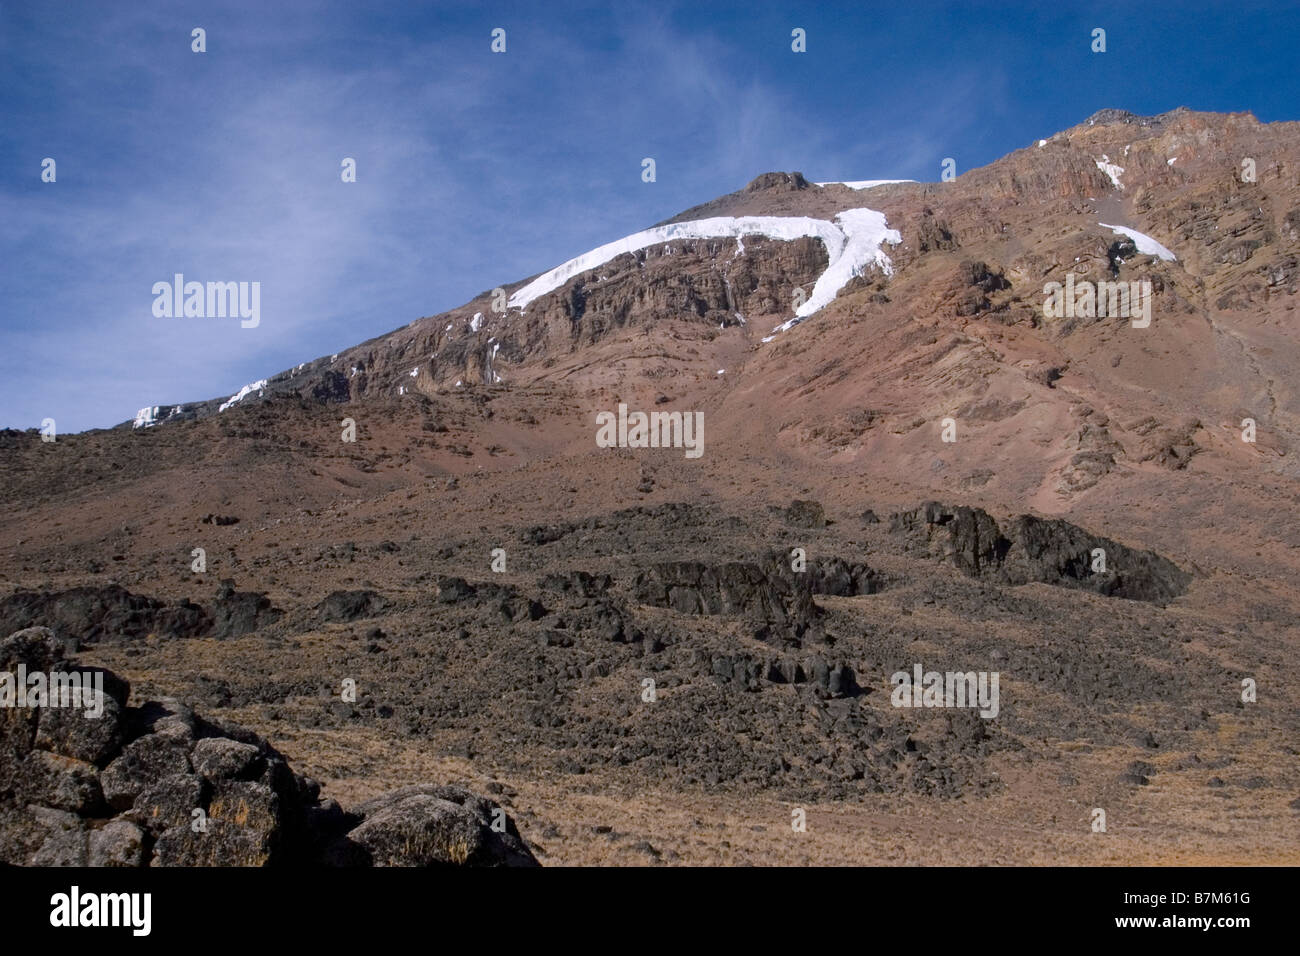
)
(782, 182)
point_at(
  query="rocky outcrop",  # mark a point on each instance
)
(158, 785)
(92, 614)
(1043, 550)
(236, 613)
(735, 588)
(88, 615)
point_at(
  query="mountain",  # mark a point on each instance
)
(908, 383)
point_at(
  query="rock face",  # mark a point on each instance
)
(1043, 550)
(739, 588)
(158, 785)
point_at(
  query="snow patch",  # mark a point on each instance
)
(148, 417)
(415, 371)
(1042, 143)
(475, 323)
(1171, 160)
(1145, 244)
(1111, 170)
(259, 386)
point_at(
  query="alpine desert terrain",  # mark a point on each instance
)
(446, 557)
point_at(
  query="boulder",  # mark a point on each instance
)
(431, 826)
(117, 843)
(143, 763)
(351, 605)
(235, 613)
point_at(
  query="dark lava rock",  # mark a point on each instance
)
(451, 590)
(1031, 549)
(116, 843)
(220, 758)
(168, 803)
(839, 578)
(748, 590)
(235, 613)
(110, 613)
(351, 605)
(70, 731)
(431, 826)
(578, 584)
(143, 763)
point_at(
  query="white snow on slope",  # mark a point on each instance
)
(1042, 143)
(720, 227)
(1145, 244)
(244, 392)
(865, 232)
(148, 417)
(1111, 170)
(475, 322)
(852, 242)
(867, 183)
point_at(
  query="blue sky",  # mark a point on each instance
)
(477, 169)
